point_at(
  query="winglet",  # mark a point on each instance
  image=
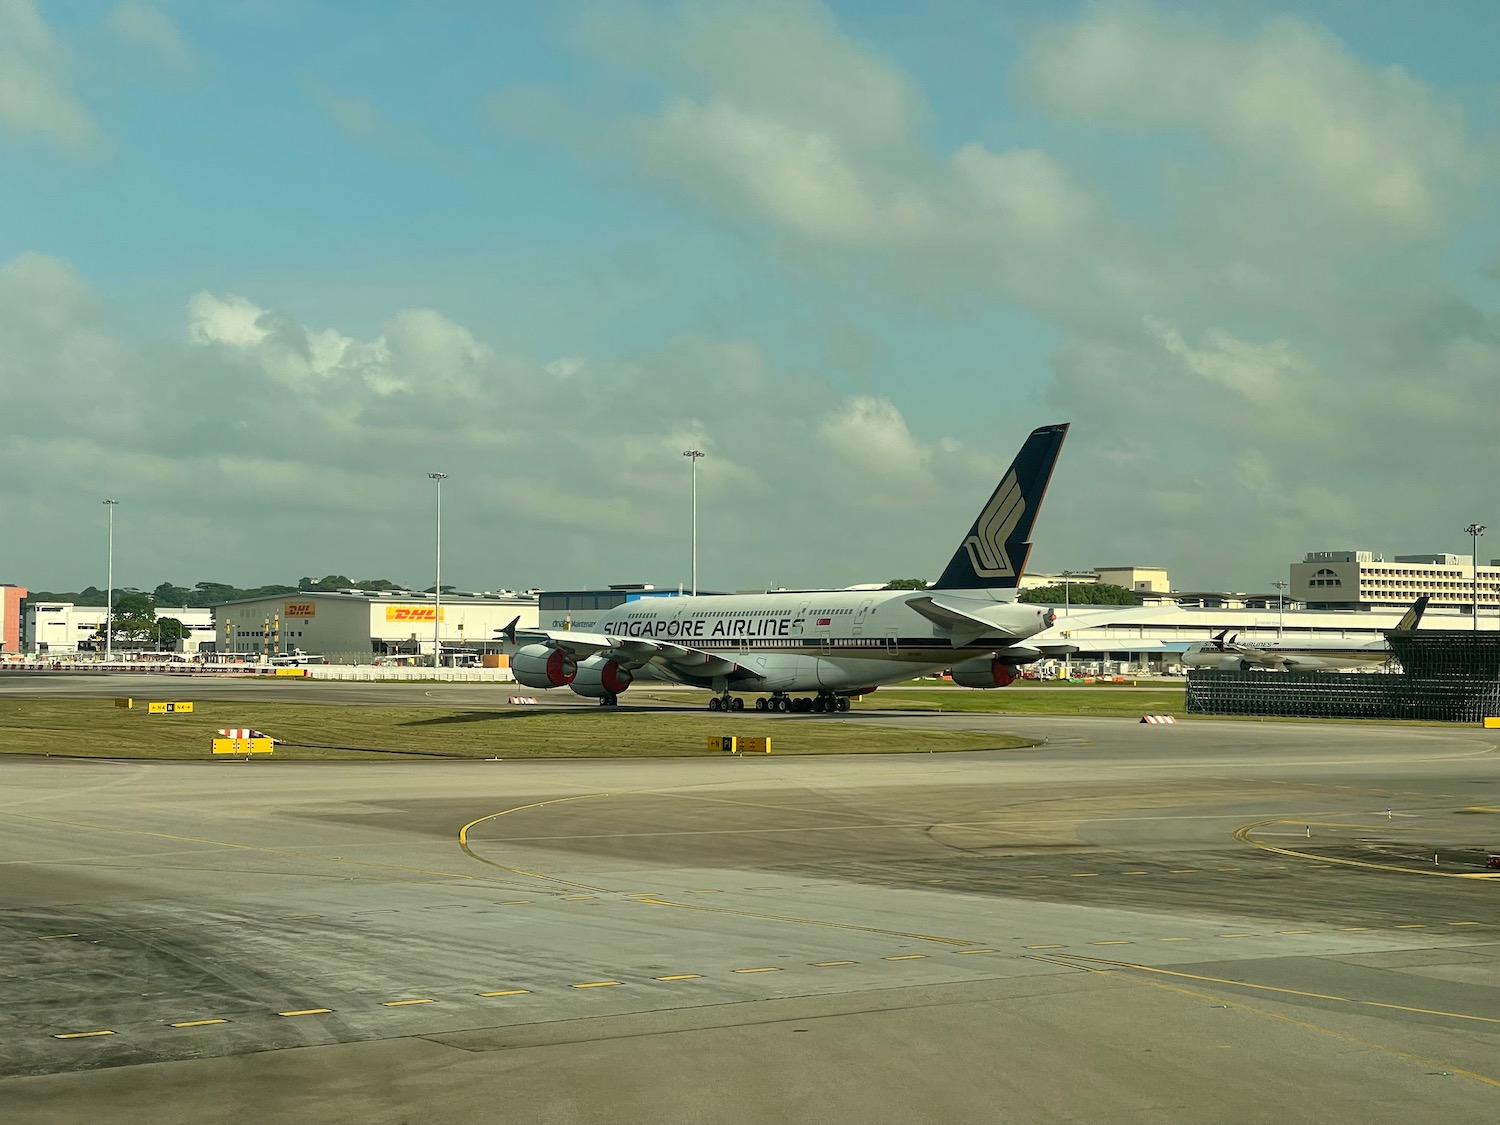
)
(993, 554)
(509, 631)
(1412, 617)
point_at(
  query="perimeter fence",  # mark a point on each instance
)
(1445, 676)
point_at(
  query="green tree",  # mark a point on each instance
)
(134, 618)
(168, 595)
(169, 630)
(1079, 593)
(906, 584)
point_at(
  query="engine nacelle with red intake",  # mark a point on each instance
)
(995, 670)
(542, 666)
(600, 678)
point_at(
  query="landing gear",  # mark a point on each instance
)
(728, 702)
(609, 701)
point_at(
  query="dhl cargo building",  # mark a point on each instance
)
(356, 626)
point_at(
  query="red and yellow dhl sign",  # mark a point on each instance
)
(300, 609)
(411, 613)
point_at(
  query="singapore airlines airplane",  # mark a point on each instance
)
(832, 644)
(1233, 655)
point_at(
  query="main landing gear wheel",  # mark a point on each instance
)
(609, 701)
(760, 704)
(729, 703)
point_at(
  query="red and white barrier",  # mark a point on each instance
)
(241, 732)
(1157, 719)
(528, 699)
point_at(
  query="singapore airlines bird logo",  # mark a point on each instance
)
(987, 546)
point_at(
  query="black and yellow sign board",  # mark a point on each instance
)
(244, 745)
(733, 744)
(169, 708)
(126, 704)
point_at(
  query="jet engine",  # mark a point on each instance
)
(542, 666)
(1231, 663)
(600, 678)
(985, 672)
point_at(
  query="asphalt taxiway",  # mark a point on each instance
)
(1217, 921)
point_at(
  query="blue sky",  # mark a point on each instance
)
(265, 264)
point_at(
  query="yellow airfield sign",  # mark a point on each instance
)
(244, 745)
(169, 708)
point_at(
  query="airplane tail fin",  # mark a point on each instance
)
(1411, 618)
(1218, 639)
(993, 554)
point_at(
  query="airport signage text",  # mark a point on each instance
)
(300, 609)
(411, 613)
(692, 627)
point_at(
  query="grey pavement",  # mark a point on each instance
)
(1212, 922)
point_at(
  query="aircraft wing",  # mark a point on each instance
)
(631, 651)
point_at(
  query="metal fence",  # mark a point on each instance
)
(1446, 676)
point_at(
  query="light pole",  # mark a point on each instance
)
(437, 585)
(1067, 576)
(109, 586)
(692, 455)
(1280, 588)
(1475, 530)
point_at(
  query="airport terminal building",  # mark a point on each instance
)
(359, 626)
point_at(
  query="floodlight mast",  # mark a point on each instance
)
(1475, 530)
(437, 585)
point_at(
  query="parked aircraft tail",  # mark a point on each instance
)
(993, 554)
(1412, 617)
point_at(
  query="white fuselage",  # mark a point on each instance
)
(839, 640)
(1326, 656)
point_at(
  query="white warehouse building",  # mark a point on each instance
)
(63, 627)
(358, 626)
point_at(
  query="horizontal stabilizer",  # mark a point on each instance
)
(963, 628)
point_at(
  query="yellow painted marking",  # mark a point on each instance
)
(598, 984)
(404, 1003)
(196, 1023)
(58, 937)
(1044, 947)
(1038, 876)
(682, 976)
(1085, 875)
(307, 1012)
(1354, 929)
(830, 964)
(1411, 926)
(704, 891)
(1285, 991)
(1243, 835)
(1236, 935)
(1182, 871)
(463, 840)
(1111, 943)
(81, 1034)
(1465, 923)
(905, 957)
(514, 902)
(1174, 939)
(1344, 1036)
(1294, 931)
(508, 992)
(577, 898)
(760, 969)
(1134, 872)
(803, 921)
(962, 952)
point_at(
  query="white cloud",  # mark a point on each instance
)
(870, 434)
(1371, 147)
(147, 29)
(36, 82)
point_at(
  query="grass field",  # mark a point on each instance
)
(96, 728)
(1065, 701)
